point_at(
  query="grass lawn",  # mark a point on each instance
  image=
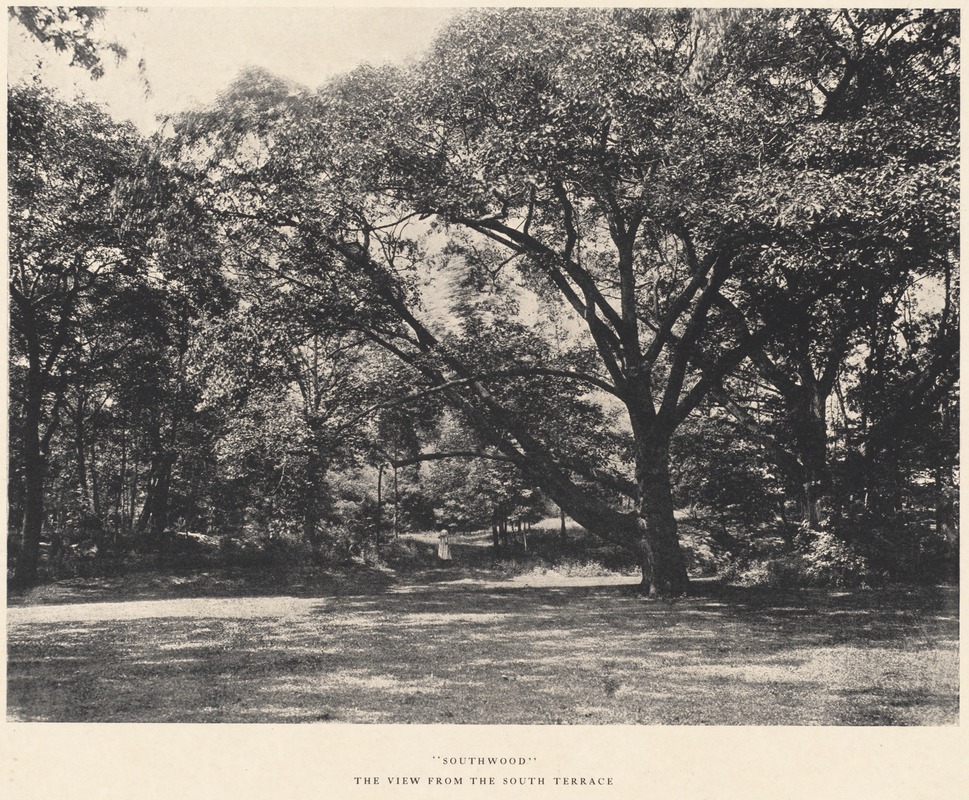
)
(469, 643)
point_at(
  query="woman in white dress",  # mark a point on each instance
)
(444, 545)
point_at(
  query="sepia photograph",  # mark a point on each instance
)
(484, 367)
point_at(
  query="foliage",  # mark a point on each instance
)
(829, 561)
(626, 260)
(718, 467)
(817, 559)
(71, 30)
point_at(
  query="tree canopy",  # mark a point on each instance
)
(576, 236)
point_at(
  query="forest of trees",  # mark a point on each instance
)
(622, 264)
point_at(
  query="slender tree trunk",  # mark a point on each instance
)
(810, 429)
(132, 497)
(380, 504)
(151, 480)
(15, 497)
(160, 504)
(396, 506)
(34, 467)
(80, 451)
(28, 559)
(122, 476)
(946, 523)
(95, 486)
(311, 505)
(311, 519)
(153, 518)
(883, 497)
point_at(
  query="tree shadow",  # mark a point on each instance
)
(477, 653)
(211, 582)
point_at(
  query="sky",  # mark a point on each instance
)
(191, 54)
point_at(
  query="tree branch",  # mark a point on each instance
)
(422, 457)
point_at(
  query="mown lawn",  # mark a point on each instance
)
(449, 645)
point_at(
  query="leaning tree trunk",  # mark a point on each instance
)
(650, 532)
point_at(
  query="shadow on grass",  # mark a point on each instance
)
(211, 582)
(487, 653)
(412, 561)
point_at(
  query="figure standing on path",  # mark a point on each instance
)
(444, 545)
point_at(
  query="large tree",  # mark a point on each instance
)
(861, 196)
(647, 175)
(804, 162)
(66, 164)
(109, 265)
(282, 383)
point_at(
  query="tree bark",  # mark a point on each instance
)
(396, 523)
(380, 500)
(34, 467)
(651, 532)
(132, 497)
(663, 564)
(310, 502)
(809, 422)
(159, 509)
(80, 448)
(95, 483)
(154, 513)
(311, 518)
